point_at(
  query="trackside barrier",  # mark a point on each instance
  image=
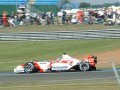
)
(63, 35)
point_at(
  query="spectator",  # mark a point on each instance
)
(5, 21)
(74, 20)
(42, 19)
(51, 17)
(16, 21)
(12, 15)
(1, 22)
(11, 22)
(59, 17)
(80, 15)
(27, 18)
(63, 17)
(47, 20)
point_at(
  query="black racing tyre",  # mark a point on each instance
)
(53, 71)
(93, 68)
(84, 66)
(29, 67)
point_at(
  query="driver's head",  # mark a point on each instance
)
(64, 53)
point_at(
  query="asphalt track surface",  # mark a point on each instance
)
(57, 76)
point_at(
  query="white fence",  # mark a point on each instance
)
(63, 35)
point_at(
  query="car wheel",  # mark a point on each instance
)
(29, 67)
(93, 68)
(84, 66)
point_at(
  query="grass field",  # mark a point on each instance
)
(72, 85)
(66, 27)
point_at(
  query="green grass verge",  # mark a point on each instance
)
(72, 85)
(14, 53)
(49, 28)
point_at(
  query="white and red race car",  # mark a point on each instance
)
(66, 63)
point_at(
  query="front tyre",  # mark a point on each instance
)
(84, 66)
(29, 67)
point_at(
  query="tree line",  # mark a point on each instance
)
(89, 5)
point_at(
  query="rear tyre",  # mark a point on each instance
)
(84, 66)
(29, 67)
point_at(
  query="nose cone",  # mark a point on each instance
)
(19, 69)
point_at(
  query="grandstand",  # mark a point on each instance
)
(42, 5)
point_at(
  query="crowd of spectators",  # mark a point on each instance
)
(106, 16)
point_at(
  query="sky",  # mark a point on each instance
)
(96, 1)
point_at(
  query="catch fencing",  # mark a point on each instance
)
(63, 35)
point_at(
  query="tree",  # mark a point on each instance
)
(117, 4)
(61, 3)
(107, 4)
(97, 6)
(84, 5)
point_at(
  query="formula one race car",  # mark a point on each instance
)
(66, 63)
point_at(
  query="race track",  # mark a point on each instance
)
(58, 76)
